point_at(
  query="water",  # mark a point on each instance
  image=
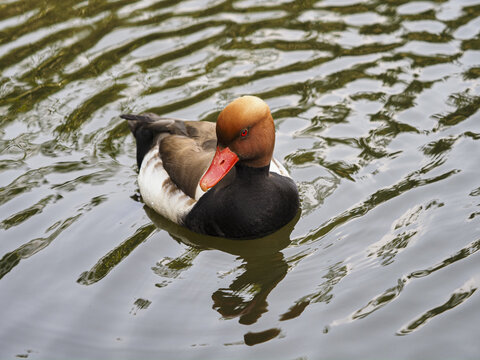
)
(376, 108)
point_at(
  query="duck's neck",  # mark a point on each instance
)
(248, 172)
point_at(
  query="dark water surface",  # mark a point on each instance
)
(376, 108)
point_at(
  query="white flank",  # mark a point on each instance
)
(199, 192)
(277, 167)
(158, 190)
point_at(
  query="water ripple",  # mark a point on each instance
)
(376, 110)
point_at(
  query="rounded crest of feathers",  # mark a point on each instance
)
(243, 112)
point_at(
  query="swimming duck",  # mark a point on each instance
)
(219, 180)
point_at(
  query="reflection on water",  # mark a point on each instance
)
(262, 267)
(457, 298)
(115, 256)
(376, 109)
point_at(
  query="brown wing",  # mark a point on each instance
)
(187, 157)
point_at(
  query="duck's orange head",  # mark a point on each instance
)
(245, 133)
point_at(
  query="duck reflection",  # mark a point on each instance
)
(246, 297)
(263, 266)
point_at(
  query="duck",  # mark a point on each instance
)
(218, 179)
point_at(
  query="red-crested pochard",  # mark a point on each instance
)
(251, 194)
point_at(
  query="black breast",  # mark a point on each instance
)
(253, 204)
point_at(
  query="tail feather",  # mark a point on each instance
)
(154, 123)
(147, 127)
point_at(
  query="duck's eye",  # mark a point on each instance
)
(244, 132)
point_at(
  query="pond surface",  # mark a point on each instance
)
(376, 109)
